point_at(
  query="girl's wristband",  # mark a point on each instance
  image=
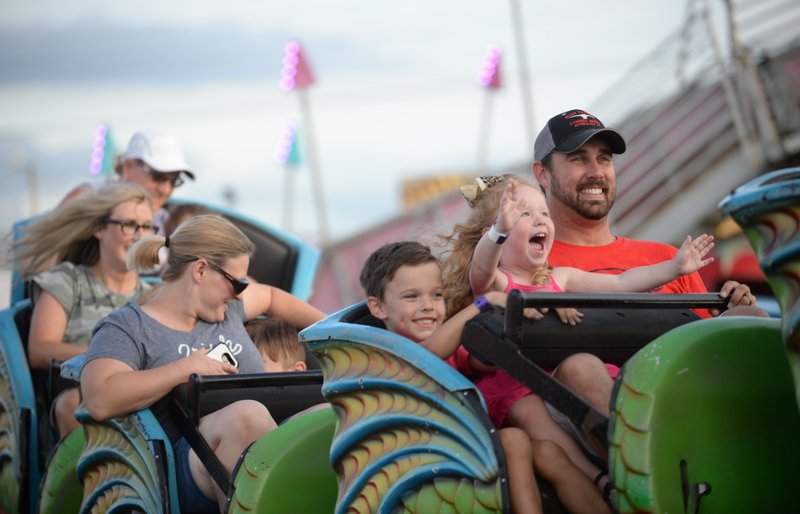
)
(495, 236)
(482, 304)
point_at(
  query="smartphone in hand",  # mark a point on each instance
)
(222, 353)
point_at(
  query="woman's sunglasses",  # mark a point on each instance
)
(238, 285)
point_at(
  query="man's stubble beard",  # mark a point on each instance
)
(590, 210)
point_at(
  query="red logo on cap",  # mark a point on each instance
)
(582, 119)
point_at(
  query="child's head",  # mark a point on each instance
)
(278, 344)
(182, 212)
(403, 283)
(529, 242)
(484, 198)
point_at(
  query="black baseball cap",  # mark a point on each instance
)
(568, 131)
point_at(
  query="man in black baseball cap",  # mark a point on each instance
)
(568, 131)
(574, 165)
(582, 148)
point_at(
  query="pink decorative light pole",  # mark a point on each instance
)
(489, 74)
(488, 78)
(295, 73)
(296, 76)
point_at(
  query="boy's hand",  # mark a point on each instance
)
(690, 255)
(511, 209)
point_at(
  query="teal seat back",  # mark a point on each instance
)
(19, 452)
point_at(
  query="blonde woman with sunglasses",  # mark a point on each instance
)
(141, 352)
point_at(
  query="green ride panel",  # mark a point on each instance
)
(709, 403)
(289, 469)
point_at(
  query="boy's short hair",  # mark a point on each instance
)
(380, 267)
(277, 339)
(182, 212)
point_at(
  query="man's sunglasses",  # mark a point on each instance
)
(238, 285)
(174, 177)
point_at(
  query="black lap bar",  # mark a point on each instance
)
(284, 394)
(614, 326)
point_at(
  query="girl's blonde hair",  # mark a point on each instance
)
(209, 237)
(67, 232)
(465, 236)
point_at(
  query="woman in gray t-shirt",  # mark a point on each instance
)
(88, 238)
(139, 354)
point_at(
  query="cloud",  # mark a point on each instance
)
(395, 96)
(93, 52)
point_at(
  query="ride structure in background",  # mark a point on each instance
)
(710, 108)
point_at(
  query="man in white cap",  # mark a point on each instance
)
(154, 161)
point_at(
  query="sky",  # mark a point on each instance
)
(395, 96)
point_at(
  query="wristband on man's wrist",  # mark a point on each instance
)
(482, 304)
(495, 236)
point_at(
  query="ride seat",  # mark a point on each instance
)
(274, 261)
(361, 316)
(46, 385)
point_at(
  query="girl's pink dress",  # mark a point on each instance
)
(501, 390)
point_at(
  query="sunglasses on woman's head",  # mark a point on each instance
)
(238, 285)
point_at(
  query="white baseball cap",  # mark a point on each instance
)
(158, 150)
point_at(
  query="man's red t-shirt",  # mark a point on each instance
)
(622, 255)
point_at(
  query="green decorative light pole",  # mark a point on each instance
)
(287, 155)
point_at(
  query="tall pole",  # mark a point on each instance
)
(746, 142)
(313, 165)
(752, 88)
(32, 174)
(524, 80)
(296, 75)
(483, 137)
(288, 200)
(488, 78)
(21, 161)
(287, 154)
